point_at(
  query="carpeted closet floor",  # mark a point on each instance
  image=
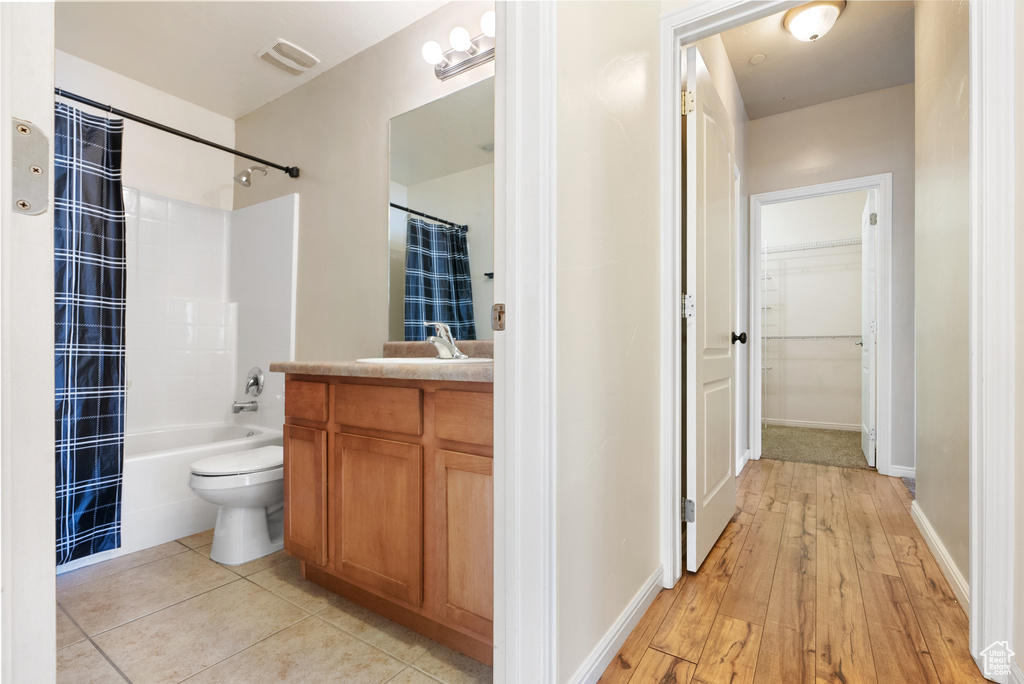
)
(810, 445)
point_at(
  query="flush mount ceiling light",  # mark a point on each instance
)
(811, 21)
(465, 52)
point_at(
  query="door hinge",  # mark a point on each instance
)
(689, 512)
(871, 435)
(30, 162)
(874, 219)
(689, 306)
(689, 102)
(498, 317)
(873, 327)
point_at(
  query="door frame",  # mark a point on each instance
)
(992, 296)
(697, 20)
(525, 420)
(991, 325)
(882, 184)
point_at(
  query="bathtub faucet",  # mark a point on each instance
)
(246, 406)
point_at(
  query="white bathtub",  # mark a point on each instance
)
(157, 505)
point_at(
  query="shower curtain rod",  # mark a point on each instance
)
(292, 171)
(420, 213)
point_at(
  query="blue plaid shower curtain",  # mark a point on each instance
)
(437, 282)
(89, 301)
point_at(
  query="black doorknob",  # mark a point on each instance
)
(741, 338)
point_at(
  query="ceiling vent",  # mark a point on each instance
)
(287, 57)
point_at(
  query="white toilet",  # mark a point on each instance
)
(249, 488)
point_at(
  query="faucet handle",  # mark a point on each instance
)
(444, 331)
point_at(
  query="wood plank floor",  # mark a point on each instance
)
(821, 576)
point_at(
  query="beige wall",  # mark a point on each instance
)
(857, 136)
(941, 238)
(335, 128)
(607, 317)
(155, 161)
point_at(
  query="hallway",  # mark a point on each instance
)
(821, 575)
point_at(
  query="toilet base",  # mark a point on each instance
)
(242, 535)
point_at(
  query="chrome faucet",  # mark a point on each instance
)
(444, 342)
(247, 406)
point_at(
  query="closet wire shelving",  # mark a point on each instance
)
(766, 278)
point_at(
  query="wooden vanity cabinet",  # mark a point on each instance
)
(389, 499)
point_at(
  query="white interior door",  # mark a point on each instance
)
(710, 382)
(869, 327)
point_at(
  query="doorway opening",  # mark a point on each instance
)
(821, 330)
(817, 330)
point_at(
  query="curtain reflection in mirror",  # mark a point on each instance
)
(437, 280)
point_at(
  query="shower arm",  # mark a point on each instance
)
(292, 171)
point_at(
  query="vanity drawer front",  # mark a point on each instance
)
(464, 416)
(305, 400)
(394, 409)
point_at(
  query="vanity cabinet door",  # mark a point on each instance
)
(305, 493)
(377, 514)
(465, 504)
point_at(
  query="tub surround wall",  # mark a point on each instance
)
(180, 327)
(155, 161)
(262, 273)
(335, 128)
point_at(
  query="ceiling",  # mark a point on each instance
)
(443, 137)
(205, 52)
(870, 48)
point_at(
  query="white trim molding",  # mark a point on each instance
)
(882, 184)
(742, 461)
(844, 427)
(992, 319)
(956, 578)
(525, 634)
(598, 660)
(1016, 673)
(902, 471)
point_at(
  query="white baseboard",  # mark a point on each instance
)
(741, 462)
(1016, 673)
(594, 666)
(902, 471)
(953, 575)
(812, 424)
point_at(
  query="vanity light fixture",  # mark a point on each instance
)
(811, 21)
(465, 52)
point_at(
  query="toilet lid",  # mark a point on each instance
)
(241, 462)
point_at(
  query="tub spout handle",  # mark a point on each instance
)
(246, 406)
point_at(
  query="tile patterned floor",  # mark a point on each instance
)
(169, 614)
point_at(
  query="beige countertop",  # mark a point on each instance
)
(476, 372)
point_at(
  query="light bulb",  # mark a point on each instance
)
(432, 52)
(459, 38)
(487, 22)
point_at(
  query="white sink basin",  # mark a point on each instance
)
(422, 360)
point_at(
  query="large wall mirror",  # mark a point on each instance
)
(442, 177)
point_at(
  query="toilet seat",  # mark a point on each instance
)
(238, 469)
(240, 462)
